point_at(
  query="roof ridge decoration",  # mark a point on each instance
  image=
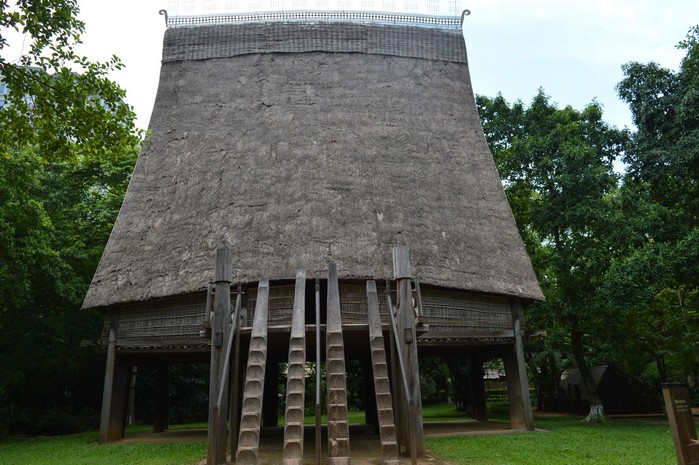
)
(317, 16)
(425, 13)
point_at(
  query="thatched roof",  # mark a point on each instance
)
(295, 144)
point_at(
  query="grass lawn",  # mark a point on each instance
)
(568, 442)
(83, 449)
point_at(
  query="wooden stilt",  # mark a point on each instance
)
(218, 414)
(161, 420)
(371, 417)
(120, 400)
(108, 381)
(131, 410)
(476, 377)
(400, 400)
(107, 433)
(318, 377)
(514, 391)
(236, 378)
(270, 403)
(522, 366)
(407, 339)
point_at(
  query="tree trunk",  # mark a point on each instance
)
(660, 364)
(596, 414)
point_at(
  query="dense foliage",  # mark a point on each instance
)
(617, 255)
(67, 148)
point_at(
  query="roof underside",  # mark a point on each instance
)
(295, 144)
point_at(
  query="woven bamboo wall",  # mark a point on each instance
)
(179, 319)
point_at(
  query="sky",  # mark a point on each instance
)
(573, 49)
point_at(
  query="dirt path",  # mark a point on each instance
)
(365, 447)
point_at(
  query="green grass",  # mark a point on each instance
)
(354, 417)
(568, 442)
(83, 449)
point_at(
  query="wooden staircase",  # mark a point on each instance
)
(338, 424)
(249, 439)
(382, 385)
(296, 378)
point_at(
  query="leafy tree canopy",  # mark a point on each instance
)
(67, 148)
(556, 166)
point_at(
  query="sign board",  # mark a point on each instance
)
(679, 414)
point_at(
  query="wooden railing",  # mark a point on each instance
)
(404, 378)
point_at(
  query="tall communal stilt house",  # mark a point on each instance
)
(314, 187)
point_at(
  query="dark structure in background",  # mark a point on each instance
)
(296, 145)
(620, 393)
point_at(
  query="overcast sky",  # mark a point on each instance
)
(574, 49)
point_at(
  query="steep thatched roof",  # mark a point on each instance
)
(295, 144)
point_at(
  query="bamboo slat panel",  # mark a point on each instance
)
(450, 311)
(167, 319)
(281, 305)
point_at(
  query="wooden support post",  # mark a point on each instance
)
(517, 318)
(270, 401)
(218, 415)
(236, 379)
(115, 392)
(403, 273)
(108, 380)
(131, 410)
(514, 391)
(120, 400)
(400, 402)
(318, 376)
(161, 418)
(476, 378)
(371, 416)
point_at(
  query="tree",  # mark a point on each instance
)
(657, 281)
(67, 148)
(59, 99)
(556, 167)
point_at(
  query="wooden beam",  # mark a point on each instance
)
(407, 338)
(161, 420)
(236, 381)
(476, 378)
(108, 389)
(218, 414)
(317, 405)
(517, 317)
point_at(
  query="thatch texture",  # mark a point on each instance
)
(335, 145)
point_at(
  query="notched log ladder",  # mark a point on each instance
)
(338, 424)
(251, 415)
(382, 386)
(296, 377)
